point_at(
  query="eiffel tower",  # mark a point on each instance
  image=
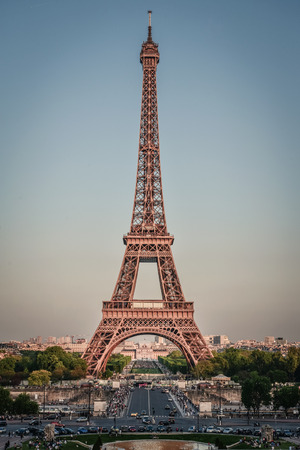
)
(123, 316)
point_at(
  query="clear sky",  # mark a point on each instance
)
(229, 117)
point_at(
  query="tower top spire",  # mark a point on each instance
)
(149, 27)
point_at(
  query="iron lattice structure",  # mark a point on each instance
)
(148, 241)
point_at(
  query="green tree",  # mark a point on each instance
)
(6, 401)
(286, 397)
(292, 361)
(23, 405)
(256, 392)
(39, 378)
(7, 370)
(203, 369)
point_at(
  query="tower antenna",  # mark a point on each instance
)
(149, 27)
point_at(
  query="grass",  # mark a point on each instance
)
(90, 439)
(145, 370)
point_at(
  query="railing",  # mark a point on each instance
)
(149, 304)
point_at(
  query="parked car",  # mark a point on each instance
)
(161, 428)
(192, 429)
(22, 431)
(82, 430)
(124, 428)
(149, 428)
(167, 407)
(228, 430)
(134, 414)
(211, 429)
(141, 429)
(93, 429)
(2, 430)
(132, 429)
(70, 431)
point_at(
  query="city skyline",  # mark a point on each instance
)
(228, 106)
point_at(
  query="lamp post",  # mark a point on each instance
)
(220, 403)
(89, 410)
(44, 406)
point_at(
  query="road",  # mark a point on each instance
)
(153, 402)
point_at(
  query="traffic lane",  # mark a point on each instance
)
(158, 403)
(138, 401)
(153, 402)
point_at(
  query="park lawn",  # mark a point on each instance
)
(145, 370)
(90, 439)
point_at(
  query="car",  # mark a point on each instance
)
(287, 433)
(211, 429)
(256, 433)
(124, 428)
(167, 407)
(171, 421)
(93, 429)
(132, 429)
(141, 428)
(149, 428)
(3, 423)
(161, 428)
(22, 431)
(228, 430)
(169, 429)
(35, 422)
(2, 430)
(104, 430)
(82, 430)
(170, 399)
(143, 413)
(61, 430)
(134, 414)
(81, 419)
(70, 431)
(35, 431)
(146, 420)
(220, 429)
(57, 424)
(192, 429)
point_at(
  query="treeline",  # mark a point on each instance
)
(39, 367)
(21, 405)
(116, 364)
(175, 362)
(237, 364)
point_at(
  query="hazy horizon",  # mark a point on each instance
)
(229, 114)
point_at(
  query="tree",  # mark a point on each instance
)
(39, 378)
(256, 392)
(292, 361)
(287, 397)
(203, 369)
(23, 405)
(6, 401)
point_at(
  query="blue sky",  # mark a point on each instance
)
(229, 110)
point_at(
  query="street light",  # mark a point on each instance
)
(220, 403)
(44, 408)
(89, 410)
